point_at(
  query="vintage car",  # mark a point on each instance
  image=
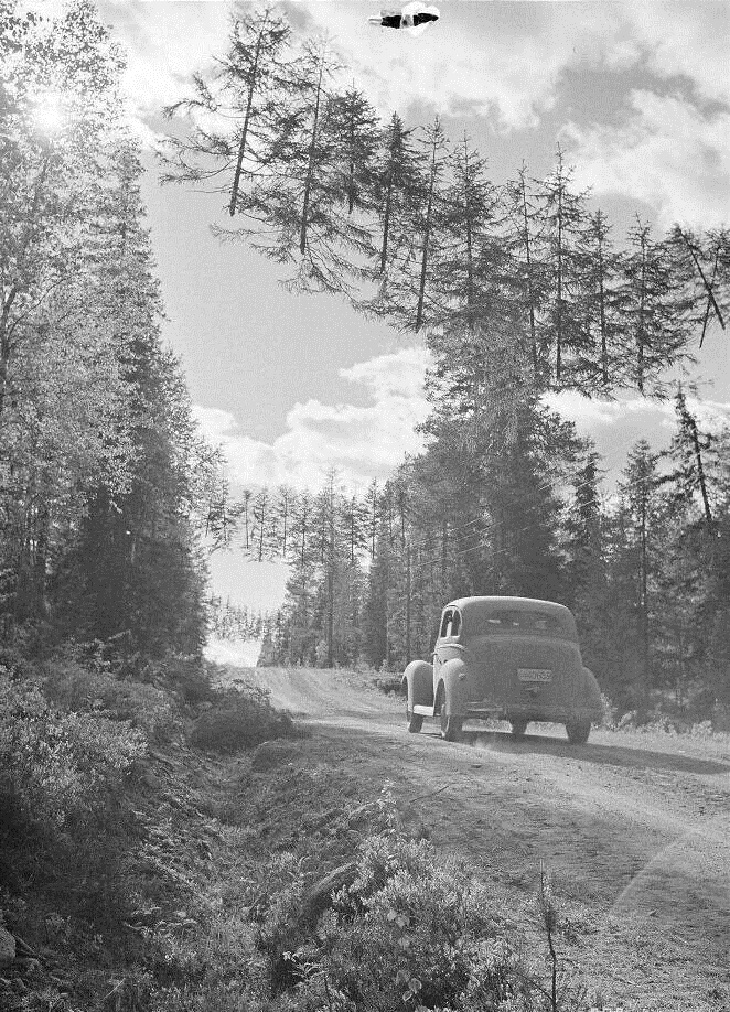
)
(509, 658)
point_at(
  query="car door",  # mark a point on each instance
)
(438, 654)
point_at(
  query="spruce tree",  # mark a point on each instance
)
(655, 307)
(229, 113)
(600, 360)
(564, 222)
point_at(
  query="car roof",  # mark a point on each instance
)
(476, 610)
(488, 602)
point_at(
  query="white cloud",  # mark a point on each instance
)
(595, 416)
(368, 442)
(669, 155)
(163, 44)
(457, 65)
(360, 443)
(591, 412)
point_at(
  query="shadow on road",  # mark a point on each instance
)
(602, 755)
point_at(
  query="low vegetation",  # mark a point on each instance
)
(240, 718)
(134, 877)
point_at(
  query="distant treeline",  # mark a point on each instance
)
(646, 570)
(228, 621)
(106, 488)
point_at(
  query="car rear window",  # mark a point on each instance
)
(526, 622)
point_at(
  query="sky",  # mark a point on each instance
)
(636, 94)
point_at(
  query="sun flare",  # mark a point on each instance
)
(49, 114)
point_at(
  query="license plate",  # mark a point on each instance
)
(534, 674)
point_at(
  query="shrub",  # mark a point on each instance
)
(53, 765)
(417, 927)
(609, 712)
(392, 685)
(241, 719)
(415, 930)
(78, 689)
(15, 664)
(189, 675)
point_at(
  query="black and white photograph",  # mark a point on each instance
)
(364, 506)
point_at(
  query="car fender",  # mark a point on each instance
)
(451, 676)
(418, 677)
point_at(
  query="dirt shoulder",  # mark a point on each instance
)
(634, 829)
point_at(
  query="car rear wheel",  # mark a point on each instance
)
(450, 724)
(415, 721)
(578, 731)
(518, 728)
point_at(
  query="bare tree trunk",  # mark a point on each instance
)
(244, 134)
(5, 346)
(711, 301)
(444, 552)
(309, 182)
(559, 291)
(700, 469)
(640, 334)
(530, 291)
(408, 604)
(427, 233)
(262, 522)
(602, 314)
(386, 223)
(644, 595)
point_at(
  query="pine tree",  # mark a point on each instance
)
(300, 199)
(585, 576)
(655, 307)
(474, 263)
(242, 91)
(138, 564)
(396, 187)
(564, 220)
(706, 267)
(632, 569)
(524, 240)
(57, 354)
(406, 297)
(354, 128)
(690, 449)
(600, 362)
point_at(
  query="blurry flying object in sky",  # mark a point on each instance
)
(413, 18)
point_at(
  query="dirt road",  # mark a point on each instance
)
(634, 828)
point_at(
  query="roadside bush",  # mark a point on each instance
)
(52, 765)
(418, 927)
(188, 674)
(241, 719)
(415, 930)
(390, 686)
(721, 718)
(76, 688)
(609, 713)
(15, 664)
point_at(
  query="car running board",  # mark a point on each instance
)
(425, 711)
